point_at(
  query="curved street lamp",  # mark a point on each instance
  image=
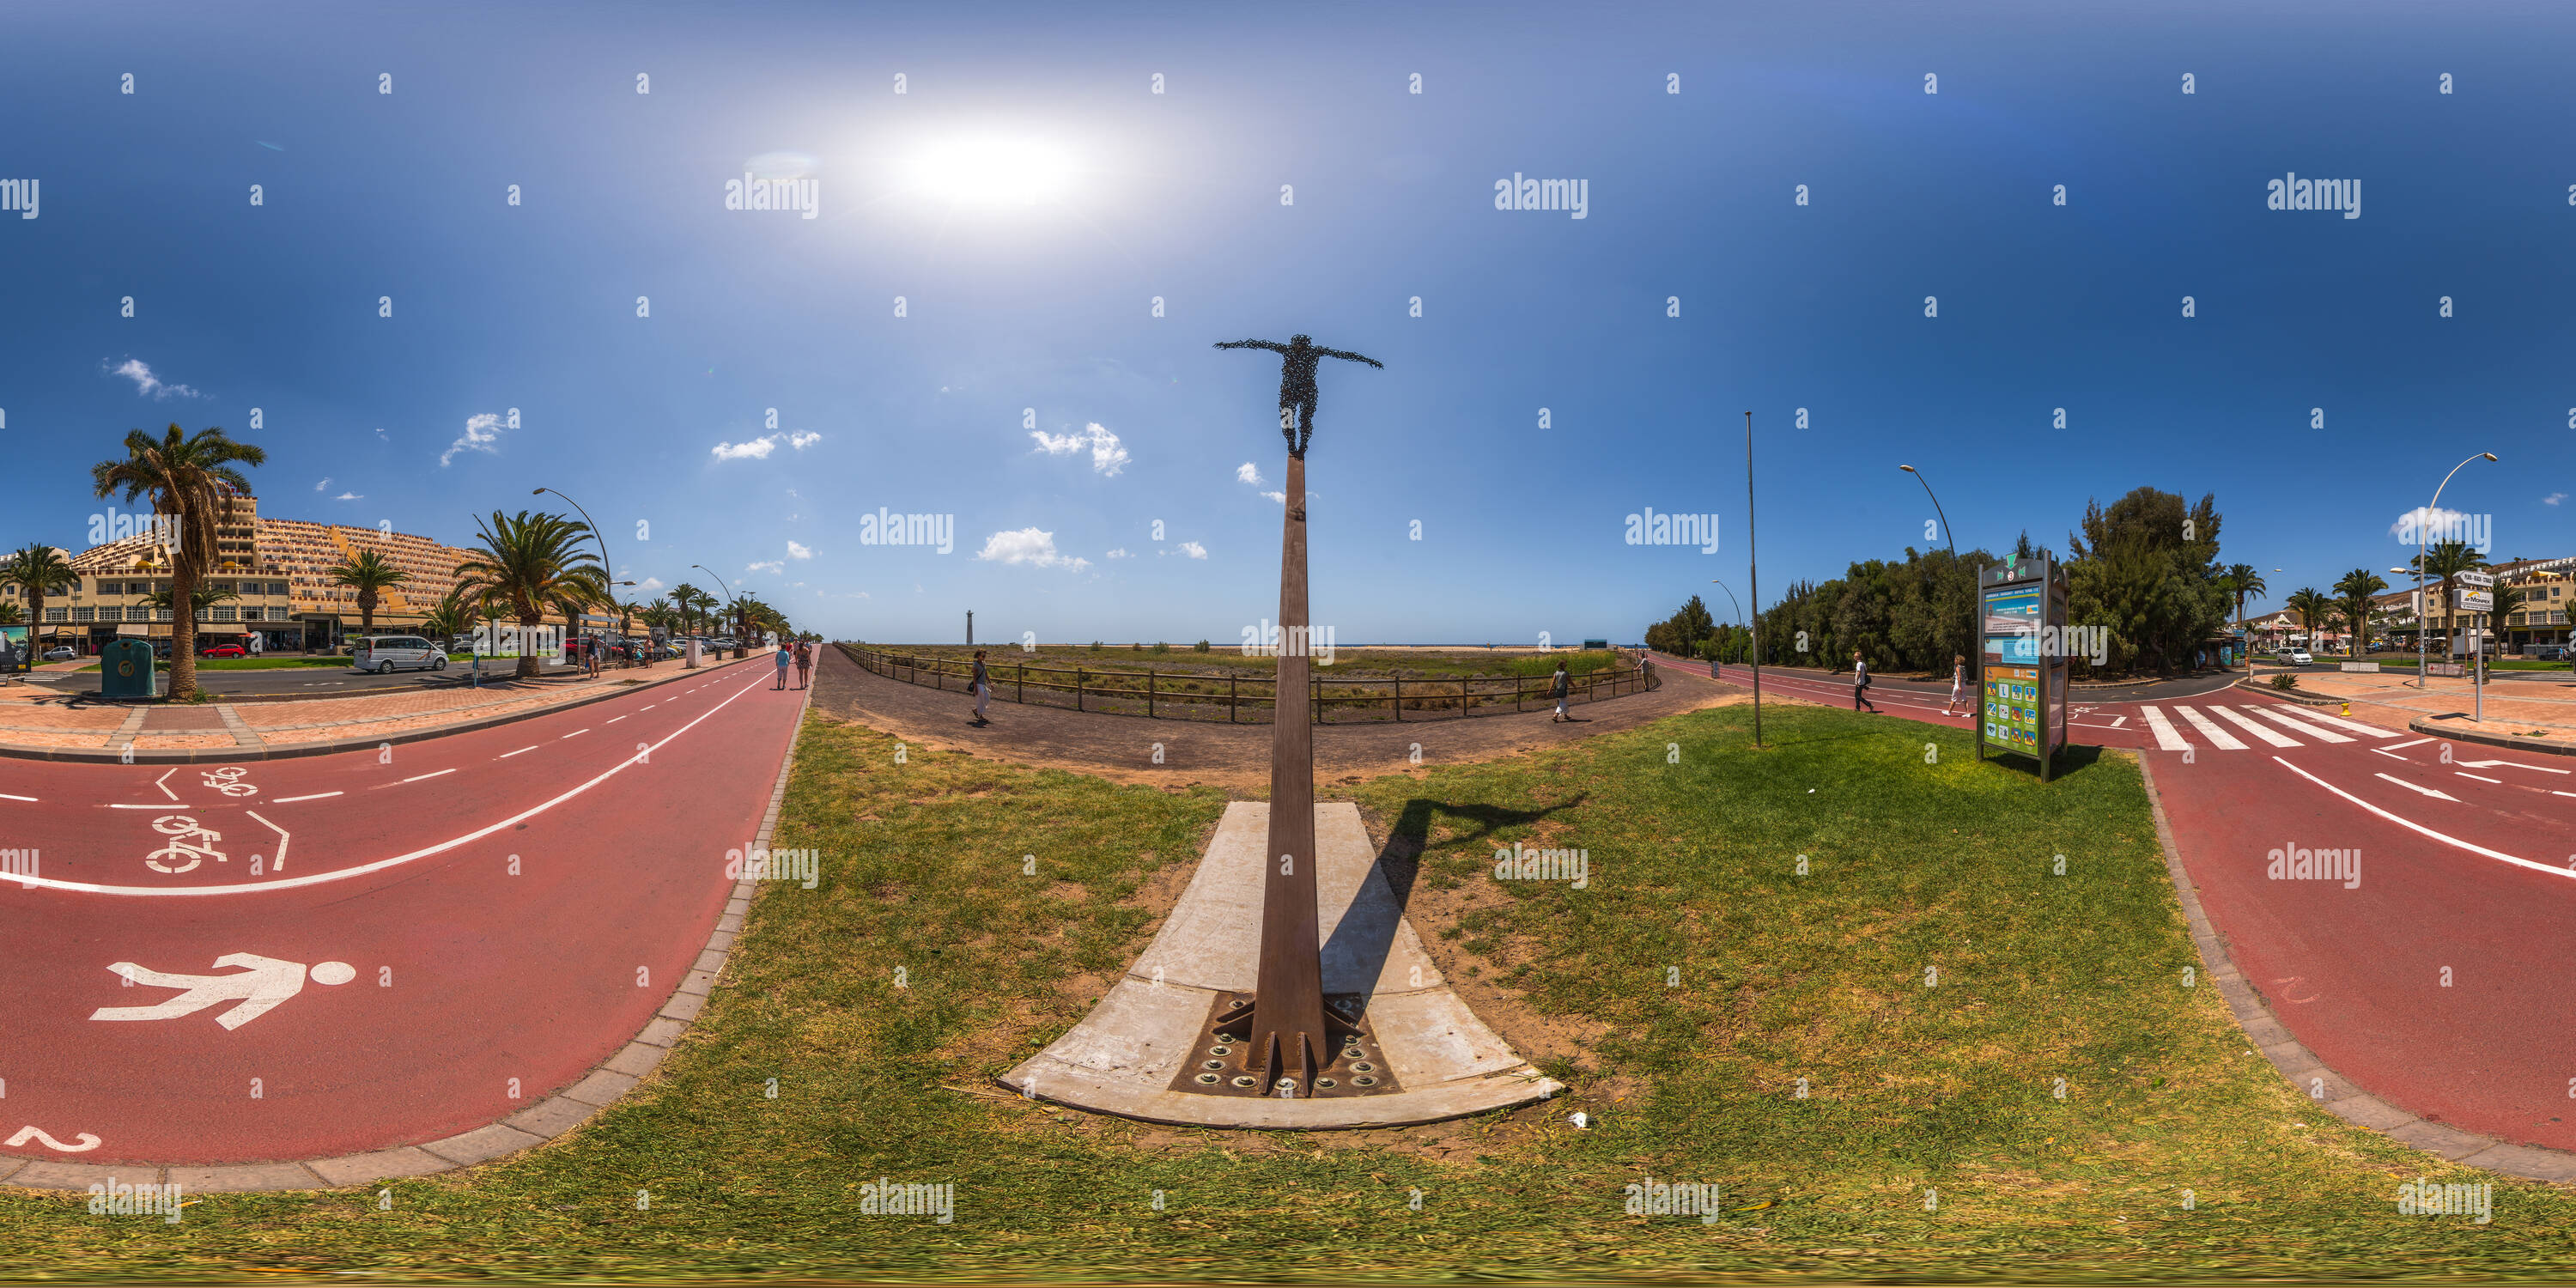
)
(595, 535)
(2422, 679)
(1739, 615)
(738, 651)
(1973, 642)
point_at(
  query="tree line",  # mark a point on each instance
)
(2144, 568)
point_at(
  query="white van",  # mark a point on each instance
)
(385, 654)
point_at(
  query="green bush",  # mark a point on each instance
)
(1200, 647)
(2285, 681)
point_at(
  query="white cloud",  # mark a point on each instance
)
(800, 441)
(1119, 553)
(326, 482)
(1107, 457)
(771, 566)
(1191, 548)
(145, 383)
(797, 551)
(1028, 546)
(757, 449)
(348, 496)
(481, 432)
(1246, 473)
(1277, 497)
(2553, 498)
(648, 585)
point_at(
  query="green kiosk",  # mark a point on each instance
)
(125, 670)
(2021, 610)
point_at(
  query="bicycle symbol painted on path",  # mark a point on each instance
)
(228, 781)
(187, 840)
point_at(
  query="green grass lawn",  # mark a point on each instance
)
(1919, 1087)
(1227, 657)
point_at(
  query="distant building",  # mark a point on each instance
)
(278, 569)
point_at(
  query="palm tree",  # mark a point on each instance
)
(2508, 599)
(2311, 605)
(193, 483)
(2445, 561)
(2242, 580)
(2356, 588)
(530, 563)
(12, 615)
(684, 601)
(456, 613)
(369, 574)
(200, 598)
(37, 570)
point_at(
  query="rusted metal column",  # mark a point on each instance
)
(1288, 1035)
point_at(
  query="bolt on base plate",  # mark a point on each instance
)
(1224, 1063)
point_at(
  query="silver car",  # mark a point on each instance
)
(386, 654)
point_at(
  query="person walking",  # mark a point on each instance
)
(783, 659)
(1958, 682)
(982, 688)
(804, 664)
(1558, 687)
(1860, 684)
(590, 654)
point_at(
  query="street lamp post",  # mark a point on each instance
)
(2422, 678)
(595, 535)
(1973, 641)
(728, 590)
(1739, 616)
(1753, 575)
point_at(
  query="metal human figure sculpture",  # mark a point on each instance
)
(1297, 384)
(1287, 1047)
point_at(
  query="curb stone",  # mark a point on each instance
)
(2514, 741)
(544, 1121)
(115, 752)
(2265, 1033)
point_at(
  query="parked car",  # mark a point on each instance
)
(222, 650)
(2300, 657)
(60, 653)
(2549, 653)
(385, 654)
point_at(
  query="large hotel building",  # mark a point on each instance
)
(278, 568)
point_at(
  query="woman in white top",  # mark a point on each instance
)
(1958, 682)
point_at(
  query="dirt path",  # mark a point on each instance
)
(1234, 757)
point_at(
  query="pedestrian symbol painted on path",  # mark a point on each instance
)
(259, 987)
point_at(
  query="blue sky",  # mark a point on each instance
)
(1044, 304)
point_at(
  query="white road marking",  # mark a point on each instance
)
(2366, 730)
(2283, 719)
(2166, 738)
(2417, 743)
(259, 987)
(280, 864)
(2480, 777)
(143, 806)
(87, 1140)
(2413, 788)
(2259, 731)
(613, 721)
(648, 706)
(2119, 722)
(574, 734)
(2209, 729)
(2511, 764)
(417, 777)
(520, 752)
(380, 865)
(2414, 826)
(2390, 754)
(2560, 793)
(317, 796)
(4, 796)
(163, 782)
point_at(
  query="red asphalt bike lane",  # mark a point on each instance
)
(2467, 872)
(434, 988)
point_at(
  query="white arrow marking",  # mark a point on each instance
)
(163, 782)
(87, 1141)
(259, 987)
(280, 865)
(2514, 764)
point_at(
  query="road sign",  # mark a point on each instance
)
(259, 987)
(2476, 601)
(2472, 577)
(2021, 609)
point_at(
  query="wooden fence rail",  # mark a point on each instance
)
(1253, 699)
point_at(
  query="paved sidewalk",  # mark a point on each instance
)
(2537, 710)
(36, 722)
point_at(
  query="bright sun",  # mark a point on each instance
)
(998, 172)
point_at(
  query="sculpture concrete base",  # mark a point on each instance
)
(1122, 1057)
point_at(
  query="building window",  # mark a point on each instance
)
(84, 614)
(57, 614)
(224, 612)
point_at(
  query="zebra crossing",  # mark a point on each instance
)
(2275, 727)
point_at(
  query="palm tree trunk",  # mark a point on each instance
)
(527, 667)
(183, 632)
